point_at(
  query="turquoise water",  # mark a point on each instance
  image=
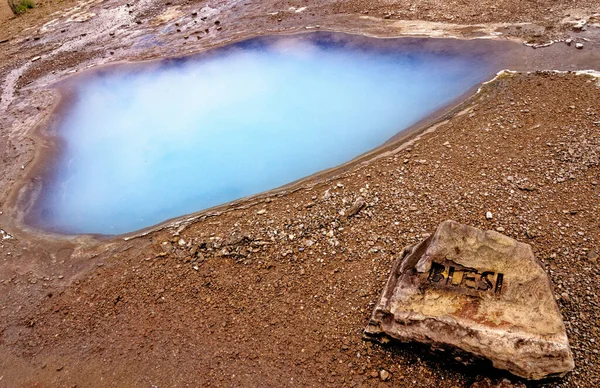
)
(148, 143)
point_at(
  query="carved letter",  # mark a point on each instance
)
(499, 284)
(450, 275)
(436, 272)
(484, 282)
(468, 280)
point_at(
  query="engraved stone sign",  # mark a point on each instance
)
(478, 292)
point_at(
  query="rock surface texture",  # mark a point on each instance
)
(480, 292)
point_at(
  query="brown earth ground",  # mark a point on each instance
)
(280, 297)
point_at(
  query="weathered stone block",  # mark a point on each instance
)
(480, 292)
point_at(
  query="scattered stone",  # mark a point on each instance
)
(35, 58)
(592, 256)
(569, 41)
(5, 235)
(526, 186)
(261, 211)
(384, 375)
(504, 383)
(579, 26)
(356, 207)
(489, 215)
(579, 46)
(480, 292)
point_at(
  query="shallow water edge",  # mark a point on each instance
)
(505, 55)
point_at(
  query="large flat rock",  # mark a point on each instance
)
(479, 292)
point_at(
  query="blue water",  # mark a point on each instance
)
(144, 145)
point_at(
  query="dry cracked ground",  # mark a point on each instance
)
(276, 291)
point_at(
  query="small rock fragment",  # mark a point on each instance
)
(504, 383)
(356, 207)
(384, 375)
(579, 26)
(526, 186)
(489, 215)
(592, 256)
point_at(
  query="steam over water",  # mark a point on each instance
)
(156, 141)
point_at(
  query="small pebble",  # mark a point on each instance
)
(384, 375)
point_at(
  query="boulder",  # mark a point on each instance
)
(480, 293)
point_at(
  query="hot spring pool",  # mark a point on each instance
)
(145, 143)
